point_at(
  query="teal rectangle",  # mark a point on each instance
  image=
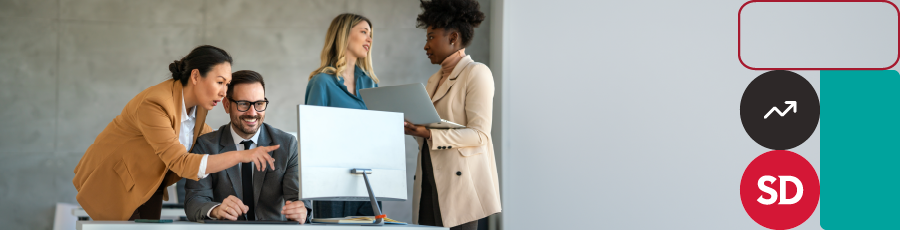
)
(860, 156)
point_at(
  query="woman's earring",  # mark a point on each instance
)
(451, 44)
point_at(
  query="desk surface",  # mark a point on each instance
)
(187, 225)
(173, 213)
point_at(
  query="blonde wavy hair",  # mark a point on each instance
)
(335, 50)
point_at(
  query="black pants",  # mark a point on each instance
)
(151, 209)
(429, 207)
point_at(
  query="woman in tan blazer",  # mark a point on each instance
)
(124, 173)
(456, 174)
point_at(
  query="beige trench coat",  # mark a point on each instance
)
(465, 170)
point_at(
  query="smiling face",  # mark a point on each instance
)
(210, 89)
(438, 44)
(248, 122)
(359, 40)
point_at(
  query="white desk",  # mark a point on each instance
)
(186, 225)
(165, 213)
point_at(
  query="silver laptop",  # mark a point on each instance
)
(412, 100)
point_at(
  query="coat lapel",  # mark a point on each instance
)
(199, 122)
(177, 101)
(440, 92)
(259, 177)
(226, 144)
(432, 83)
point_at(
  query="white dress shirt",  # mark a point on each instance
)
(237, 142)
(186, 137)
(238, 139)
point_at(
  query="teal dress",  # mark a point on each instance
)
(327, 90)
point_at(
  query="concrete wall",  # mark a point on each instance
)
(68, 67)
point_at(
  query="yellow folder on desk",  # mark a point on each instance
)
(354, 220)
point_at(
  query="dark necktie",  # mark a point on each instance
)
(247, 182)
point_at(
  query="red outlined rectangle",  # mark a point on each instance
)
(862, 1)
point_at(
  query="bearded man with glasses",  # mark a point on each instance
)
(245, 192)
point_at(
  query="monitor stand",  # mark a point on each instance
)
(379, 218)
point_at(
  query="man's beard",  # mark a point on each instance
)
(239, 124)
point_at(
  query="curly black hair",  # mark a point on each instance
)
(460, 15)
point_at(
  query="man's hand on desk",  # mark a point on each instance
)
(294, 211)
(230, 209)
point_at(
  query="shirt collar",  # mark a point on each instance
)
(237, 138)
(357, 72)
(184, 115)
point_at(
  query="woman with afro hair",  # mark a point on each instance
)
(457, 181)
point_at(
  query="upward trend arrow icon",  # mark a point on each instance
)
(792, 104)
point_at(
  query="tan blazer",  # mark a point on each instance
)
(465, 170)
(133, 156)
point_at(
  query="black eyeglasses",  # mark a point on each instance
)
(243, 106)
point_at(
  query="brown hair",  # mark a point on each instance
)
(244, 77)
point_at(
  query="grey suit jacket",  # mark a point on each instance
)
(270, 188)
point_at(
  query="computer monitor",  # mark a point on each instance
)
(334, 141)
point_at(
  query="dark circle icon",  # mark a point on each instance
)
(780, 110)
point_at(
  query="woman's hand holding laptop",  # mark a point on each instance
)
(416, 130)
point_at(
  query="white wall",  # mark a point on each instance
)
(625, 115)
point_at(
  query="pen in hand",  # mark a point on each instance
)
(244, 214)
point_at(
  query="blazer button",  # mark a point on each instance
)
(458, 173)
(414, 177)
(449, 147)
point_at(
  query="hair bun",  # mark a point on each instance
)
(176, 67)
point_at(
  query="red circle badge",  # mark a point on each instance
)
(780, 189)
